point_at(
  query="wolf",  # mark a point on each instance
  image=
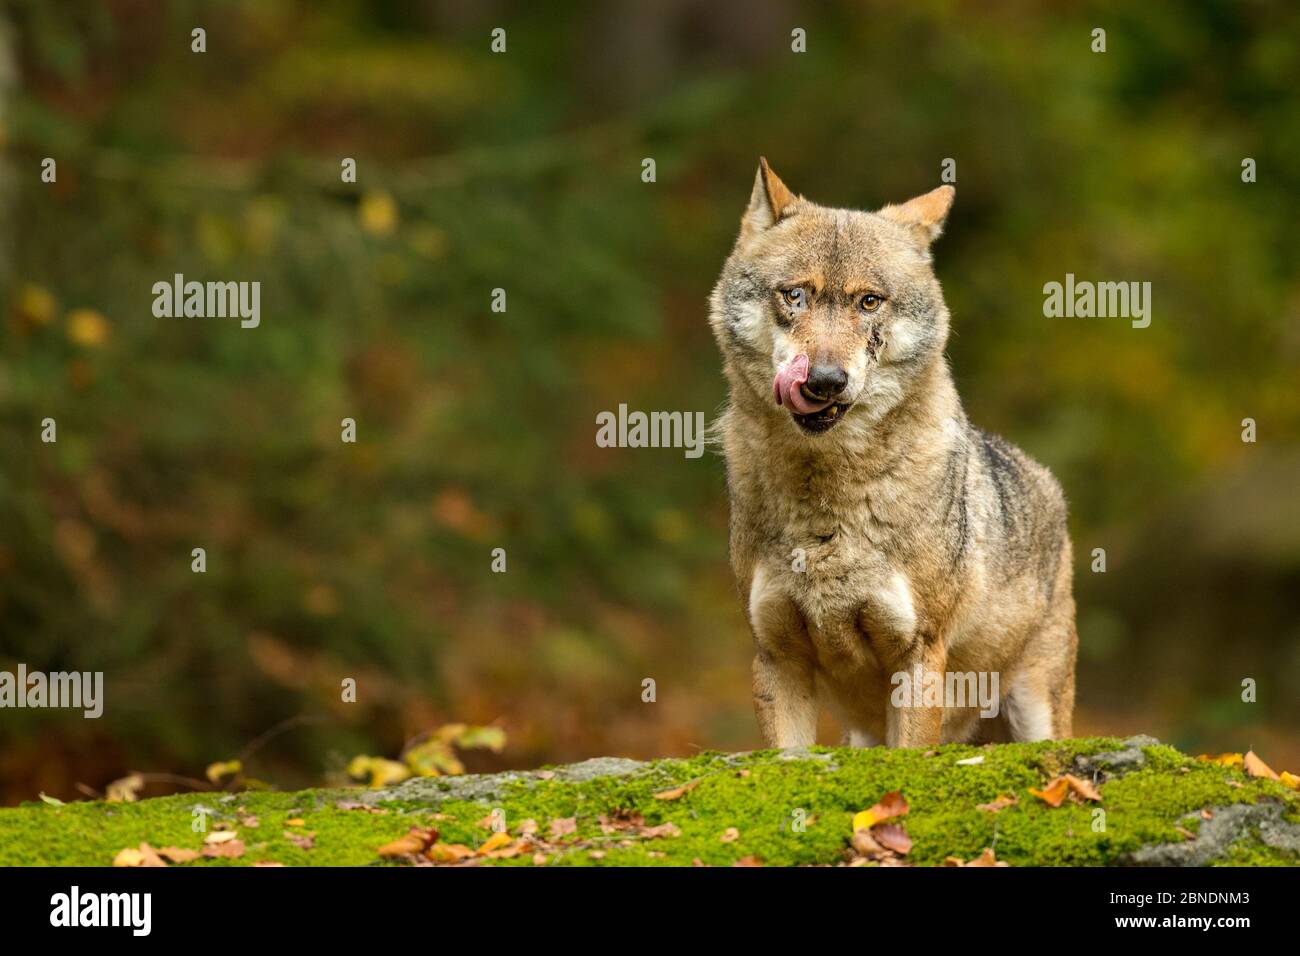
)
(876, 535)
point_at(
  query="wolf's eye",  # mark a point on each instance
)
(870, 302)
(795, 298)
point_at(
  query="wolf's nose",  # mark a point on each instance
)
(825, 382)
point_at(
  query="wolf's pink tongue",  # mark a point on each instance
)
(785, 387)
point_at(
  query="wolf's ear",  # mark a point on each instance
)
(924, 215)
(767, 203)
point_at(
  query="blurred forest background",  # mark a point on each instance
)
(476, 429)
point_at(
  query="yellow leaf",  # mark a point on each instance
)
(494, 842)
(1223, 760)
(891, 805)
(87, 328)
(378, 213)
(1289, 780)
(226, 768)
(129, 857)
(36, 305)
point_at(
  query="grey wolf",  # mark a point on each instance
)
(875, 531)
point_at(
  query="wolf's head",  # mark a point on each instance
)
(824, 314)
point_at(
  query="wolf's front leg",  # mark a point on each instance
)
(785, 699)
(915, 724)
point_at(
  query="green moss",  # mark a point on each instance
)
(762, 795)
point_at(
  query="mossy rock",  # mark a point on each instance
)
(1152, 798)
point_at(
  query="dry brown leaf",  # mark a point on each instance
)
(984, 859)
(416, 840)
(663, 830)
(1001, 802)
(748, 861)
(891, 805)
(865, 843)
(303, 841)
(220, 836)
(1083, 788)
(563, 826)
(1185, 833)
(892, 837)
(527, 827)
(448, 852)
(231, 848)
(178, 855)
(250, 822)
(151, 857)
(597, 854)
(677, 792)
(1257, 768)
(730, 835)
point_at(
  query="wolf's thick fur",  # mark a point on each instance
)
(927, 545)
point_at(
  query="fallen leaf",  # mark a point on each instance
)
(597, 854)
(748, 861)
(251, 823)
(730, 835)
(1185, 833)
(221, 769)
(1083, 788)
(563, 826)
(527, 827)
(663, 830)
(303, 841)
(1257, 768)
(677, 792)
(151, 857)
(891, 805)
(267, 863)
(494, 842)
(971, 761)
(233, 848)
(1001, 802)
(1054, 793)
(52, 801)
(125, 790)
(220, 836)
(892, 837)
(984, 859)
(1223, 760)
(178, 855)
(416, 840)
(1289, 780)
(1207, 814)
(129, 857)
(295, 822)
(448, 852)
